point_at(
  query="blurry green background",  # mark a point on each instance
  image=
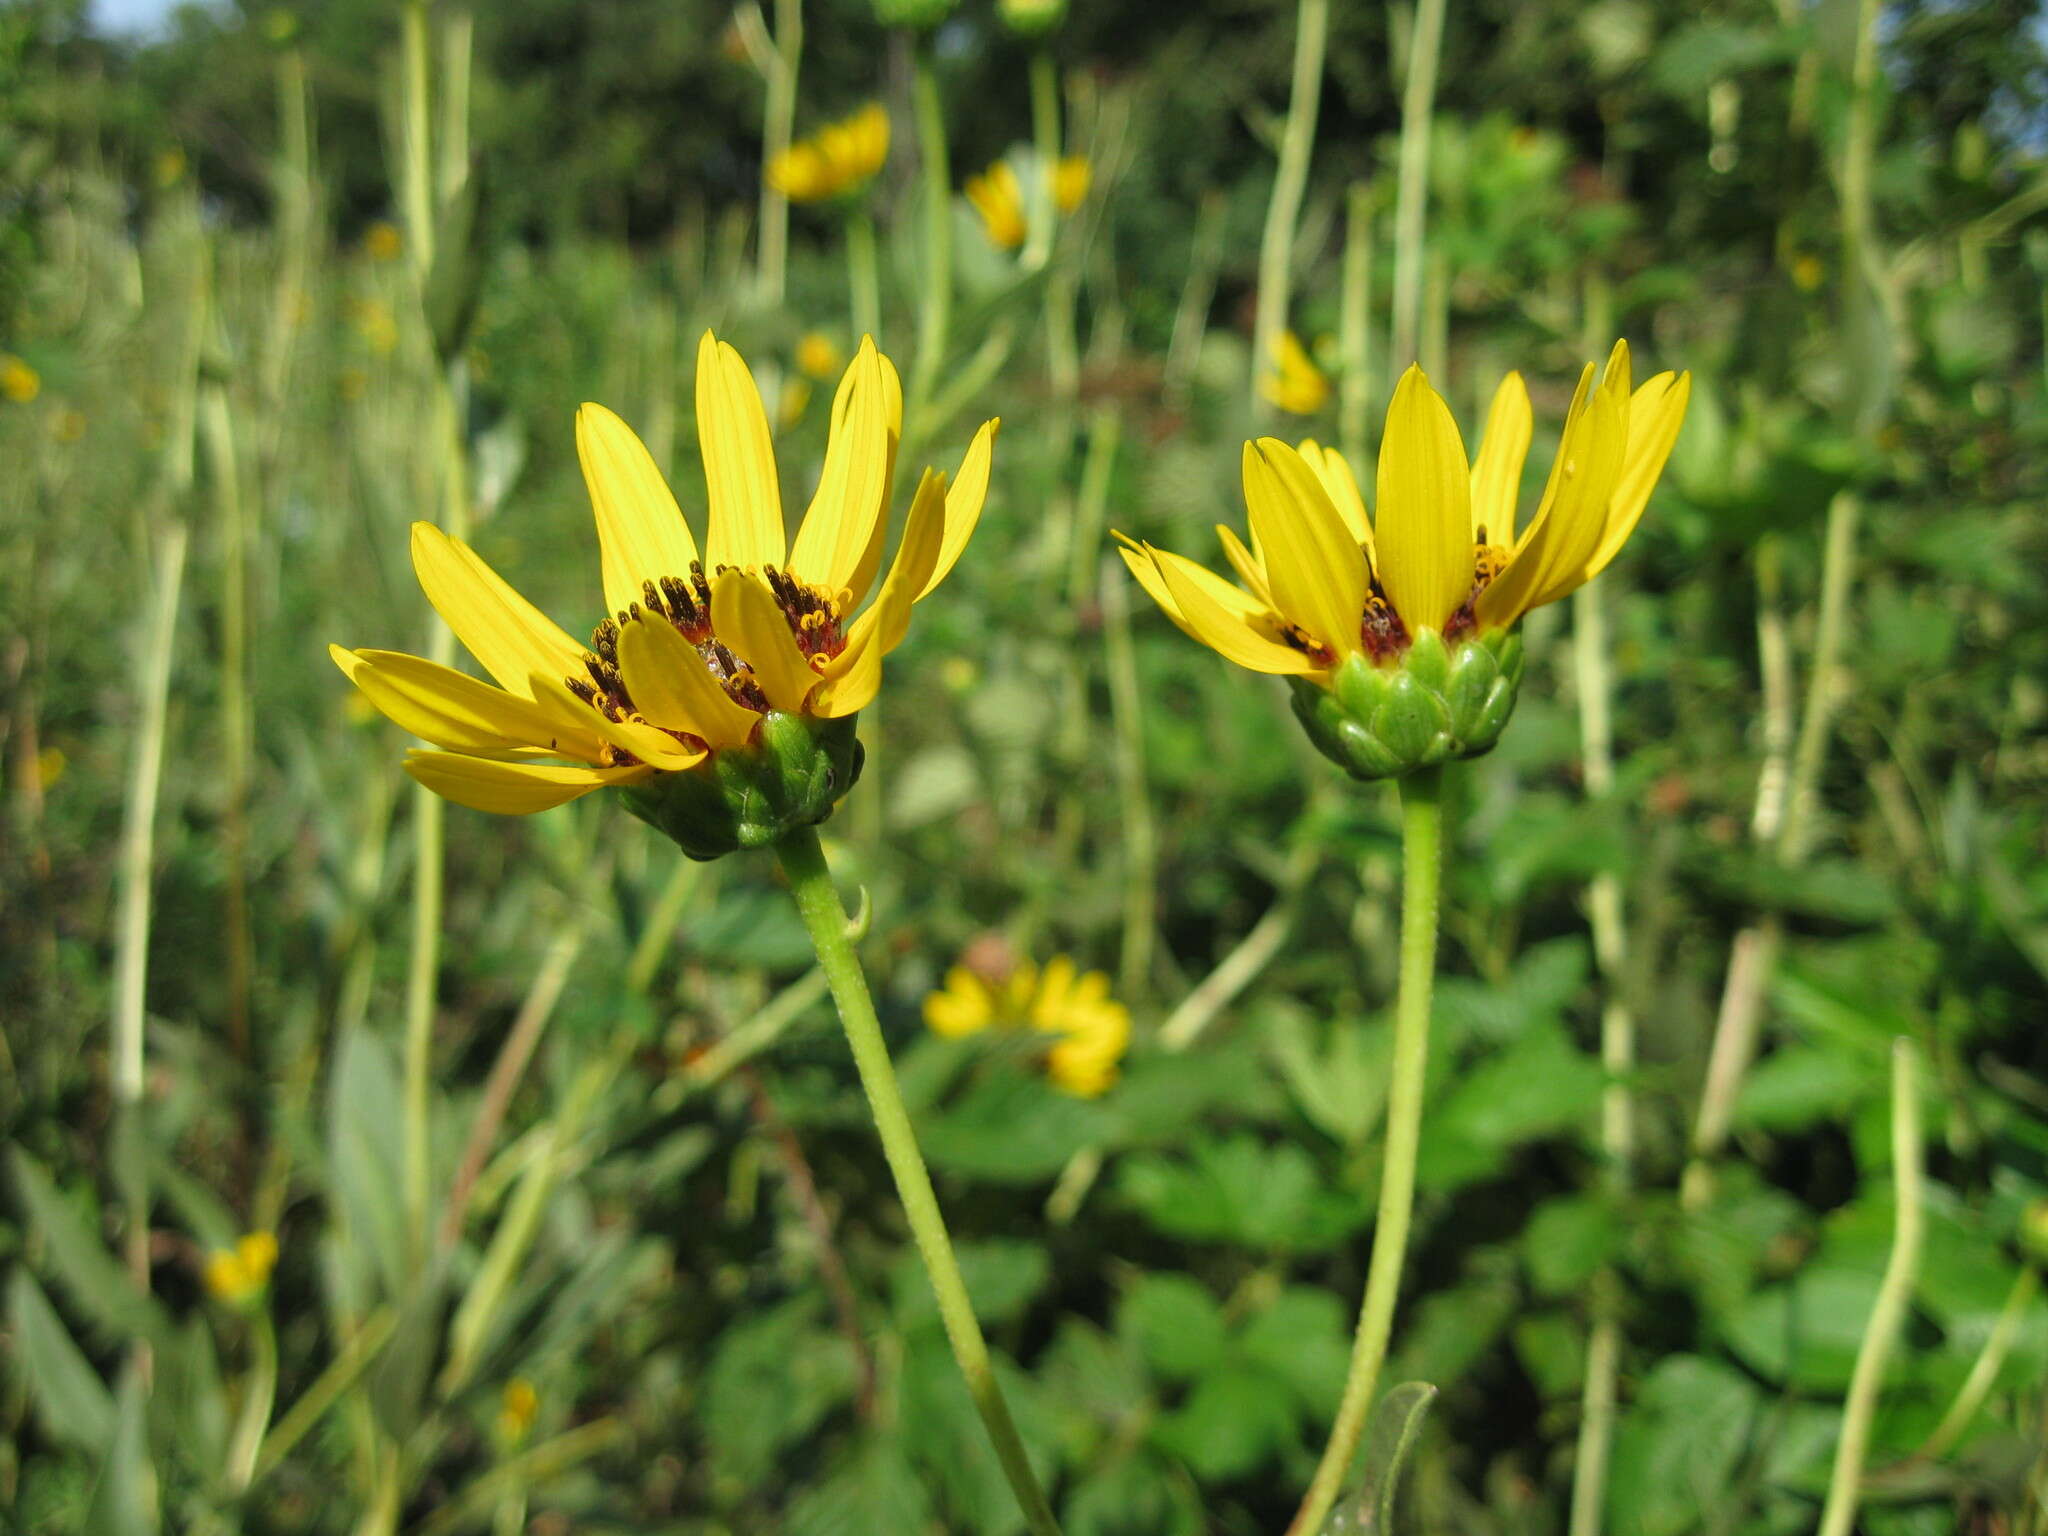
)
(677, 1294)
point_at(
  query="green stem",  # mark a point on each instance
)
(1045, 135)
(1984, 1371)
(1354, 326)
(1290, 181)
(1845, 1485)
(1411, 198)
(803, 861)
(778, 122)
(864, 275)
(1421, 869)
(936, 314)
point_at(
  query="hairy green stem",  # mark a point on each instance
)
(1290, 181)
(935, 315)
(803, 861)
(1411, 197)
(1421, 870)
(1845, 1485)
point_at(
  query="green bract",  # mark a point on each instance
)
(1434, 703)
(749, 797)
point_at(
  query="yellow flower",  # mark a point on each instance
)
(1807, 272)
(792, 400)
(705, 655)
(377, 325)
(169, 166)
(518, 1406)
(50, 765)
(238, 1275)
(1071, 179)
(1322, 584)
(839, 158)
(818, 356)
(1295, 384)
(1093, 1029)
(999, 199)
(383, 242)
(18, 382)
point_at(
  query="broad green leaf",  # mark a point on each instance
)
(1176, 1325)
(1567, 1239)
(124, 1499)
(68, 1395)
(82, 1264)
(1304, 1339)
(873, 1490)
(1231, 1424)
(773, 1375)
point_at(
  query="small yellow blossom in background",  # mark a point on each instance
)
(169, 167)
(280, 25)
(1071, 179)
(383, 242)
(838, 159)
(792, 400)
(1808, 272)
(818, 356)
(1295, 383)
(18, 382)
(999, 199)
(377, 326)
(518, 1406)
(50, 765)
(68, 425)
(238, 1275)
(1093, 1029)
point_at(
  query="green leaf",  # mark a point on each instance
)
(1805, 1333)
(1238, 1191)
(1540, 1086)
(1389, 1440)
(1552, 1349)
(1302, 1338)
(364, 1159)
(773, 1376)
(1176, 1325)
(69, 1397)
(873, 1490)
(1134, 1495)
(1800, 1086)
(1567, 1240)
(1232, 1423)
(80, 1262)
(1678, 1446)
(1003, 1277)
(1011, 1127)
(124, 1500)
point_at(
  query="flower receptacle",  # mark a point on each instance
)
(1437, 701)
(792, 775)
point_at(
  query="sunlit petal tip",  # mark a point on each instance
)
(500, 628)
(641, 532)
(1423, 532)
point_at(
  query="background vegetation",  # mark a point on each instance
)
(668, 1288)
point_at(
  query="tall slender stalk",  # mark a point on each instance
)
(1140, 844)
(223, 463)
(1617, 1058)
(803, 861)
(1290, 181)
(935, 313)
(863, 274)
(1845, 1490)
(1045, 138)
(778, 124)
(1191, 319)
(1411, 194)
(1421, 871)
(1354, 326)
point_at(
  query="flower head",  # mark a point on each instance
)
(239, 1274)
(818, 356)
(383, 242)
(18, 381)
(836, 161)
(1071, 179)
(721, 693)
(1092, 1029)
(998, 197)
(518, 1407)
(1413, 612)
(1295, 383)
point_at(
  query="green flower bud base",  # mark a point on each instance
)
(748, 797)
(1435, 702)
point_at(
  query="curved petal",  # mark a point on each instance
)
(964, 1006)
(511, 789)
(1220, 616)
(1424, 533)
(649, 743)
(672, 686)
(1551, 557)
(966, 492)
(747, 618)
(1655, 413)
(740, 485)
(855, 675)
(1497, 472)
(502, 630)
(1334, 470)
(1245, 563)
(641, 535)
(845, 515)
(454, 710)
(1314, 568)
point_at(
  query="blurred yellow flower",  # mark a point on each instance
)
(1295, 383)
(50, 765)
(838, 159)
(382, 241)
(1321, 584)
(1808, 271)
(239, 1274)
(169, 166)
(377, 326)
(1071, 179)
(705, 654)
(518, 1406)
(818, 356)
(793, 399)
(18, 382)
(999, 199)
(1093, 1029)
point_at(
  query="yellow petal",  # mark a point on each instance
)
(749, 620)
(511, 789)
(454, 710)
(1245, 563)
(672, 686)
(967, 490)
(1655, 413)
(855, 675)
(503, 630)
(1551, 558)
(962, 1007)
(845, 516)
(1334, 470)
(1497, 472)
(1313, 565)
(1221, 617)
(1424, 533)
(641, 535)
(646, 742)
(739, 462)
